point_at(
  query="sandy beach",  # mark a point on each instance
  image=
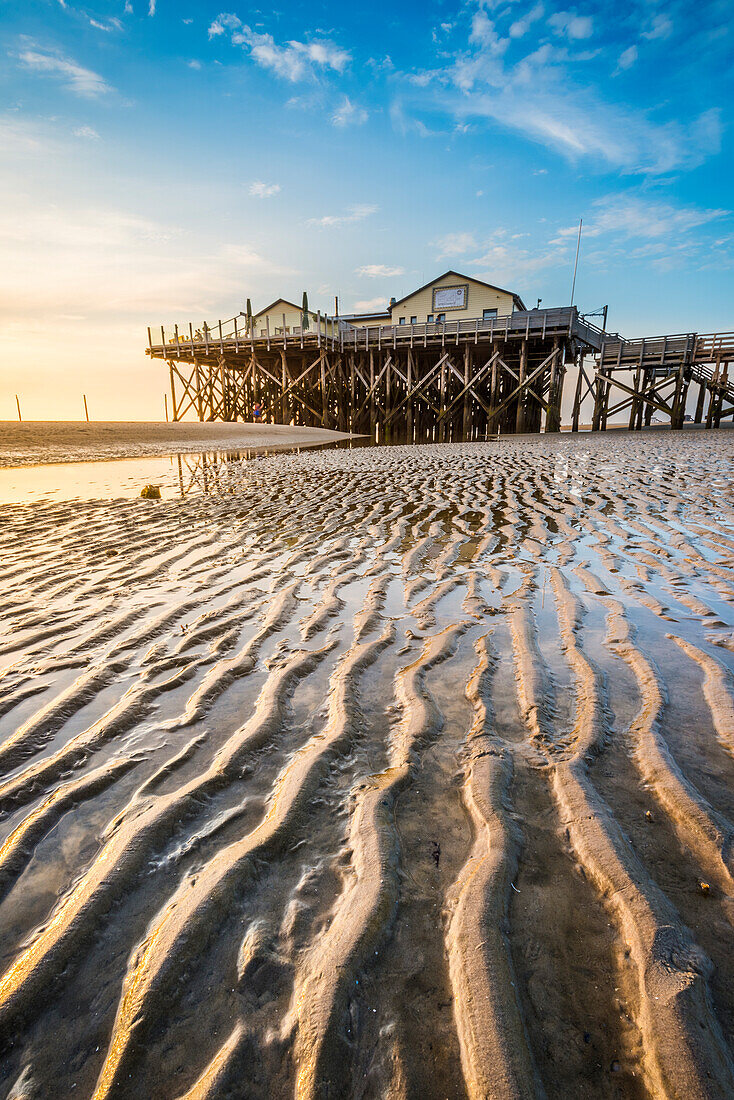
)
(388, 773)
(35, 442)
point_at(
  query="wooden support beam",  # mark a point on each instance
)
(520, 391)
(576, 411)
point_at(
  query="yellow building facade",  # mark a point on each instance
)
(450, 297)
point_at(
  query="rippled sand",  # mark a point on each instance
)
(398, 773)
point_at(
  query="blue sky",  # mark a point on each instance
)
(163, 161)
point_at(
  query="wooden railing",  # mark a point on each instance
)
(335, 333)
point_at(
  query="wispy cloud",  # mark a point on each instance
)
(354, 214)
(637, 217)
(260, 190)
(379, 271)
(111, 24)
(293, 60)
(660, 27)
(349, 114)
(86, 132)
(571, 25)
(75, 77)
(522, 25)
(370, 305)
(455, 244)
(506, 262)
(627, 58)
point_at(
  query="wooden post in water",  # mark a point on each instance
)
(17, 402)
(86, 410)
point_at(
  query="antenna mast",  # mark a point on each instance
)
(576, 264)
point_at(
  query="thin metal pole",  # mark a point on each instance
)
(17, 401)
(576, 263)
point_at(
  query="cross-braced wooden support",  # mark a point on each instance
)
(447, 392)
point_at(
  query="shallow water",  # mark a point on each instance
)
(381, 772)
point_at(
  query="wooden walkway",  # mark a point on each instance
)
(443, 381)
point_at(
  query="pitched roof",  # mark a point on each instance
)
(471, 278)
(285, 303)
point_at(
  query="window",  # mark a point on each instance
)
(489, 314)
(430, 318)
(414, 320)
(441, 318)
(401, 321)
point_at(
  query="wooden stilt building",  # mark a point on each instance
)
(438, 375)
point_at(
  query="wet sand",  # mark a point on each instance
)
(386, 773)
(31, 442)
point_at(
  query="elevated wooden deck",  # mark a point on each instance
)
(231, 338)
(662, 369)
(444, 380)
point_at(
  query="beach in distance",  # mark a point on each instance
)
(388, 772)
(33, 442)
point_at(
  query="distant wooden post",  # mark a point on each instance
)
(699, 403)
(285, 340)
(86, 410)
(17, 402)
(165, 405)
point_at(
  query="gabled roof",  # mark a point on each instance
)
(285, 302)
(471, 278)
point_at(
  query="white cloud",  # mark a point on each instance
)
(194, 64)
(355, 214)
(292, 61)
(370, 305)
(86, 132)
(627, 58)
(633, 216)
(455, 244)
(75, 77)
(379, 271)
(261, 190)
(504, 263)
(572, 26)
(349, 114)
(660, 27)
(522, 25)
(52, 257)
(128, 9)
(112, 24)
(151, 7)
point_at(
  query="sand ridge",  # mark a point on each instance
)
(393, 772)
